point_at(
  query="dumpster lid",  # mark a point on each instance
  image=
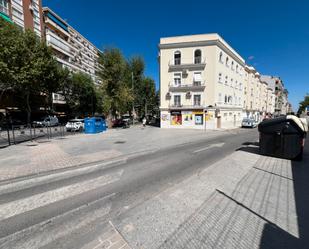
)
(277, 123)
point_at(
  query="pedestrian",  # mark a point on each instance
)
(144, 121)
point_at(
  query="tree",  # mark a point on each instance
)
(115, 90)
(79, 93)
(303, 104)
(27, 66)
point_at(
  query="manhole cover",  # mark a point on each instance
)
(120, 142)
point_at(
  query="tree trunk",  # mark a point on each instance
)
(28, 108)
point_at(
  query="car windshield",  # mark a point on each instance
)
(75, 121)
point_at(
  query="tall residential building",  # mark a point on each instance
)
(70, 48)
(27, 14)
(276, 84)
(201, 82)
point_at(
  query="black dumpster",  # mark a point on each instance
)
(282, 137)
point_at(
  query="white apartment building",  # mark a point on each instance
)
(201, 82)
(70, 48)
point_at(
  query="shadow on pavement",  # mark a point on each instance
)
(279, 239)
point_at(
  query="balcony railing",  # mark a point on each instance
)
(197, 86)
(4, 10)
(198, 62)
(55, 40)
(184, 107)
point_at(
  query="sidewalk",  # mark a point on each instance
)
(36, 157)
(243, 201)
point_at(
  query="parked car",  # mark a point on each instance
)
(47, 122)
(248, 123)
(75, 125)
(121, 123)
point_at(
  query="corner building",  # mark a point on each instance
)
(201, 82)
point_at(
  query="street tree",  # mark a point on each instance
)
(115, 90)
(303, 104)
(79, 92)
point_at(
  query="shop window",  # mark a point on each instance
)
(198, 118)
(176, 118)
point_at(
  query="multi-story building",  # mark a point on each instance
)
(27, 14)
(201, 82)
(276, 84)
(70, 48)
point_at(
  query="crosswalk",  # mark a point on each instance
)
(48, 231)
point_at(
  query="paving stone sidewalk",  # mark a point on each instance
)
(244, 201)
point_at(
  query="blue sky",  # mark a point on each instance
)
(271, 35)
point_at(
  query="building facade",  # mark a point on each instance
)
(201, 82)
(27, 14)
(70, 48)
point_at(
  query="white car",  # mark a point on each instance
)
(75, 125)
(248, 123)
(47, 122)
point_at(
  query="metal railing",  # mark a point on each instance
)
(193, 84)
(187, 61)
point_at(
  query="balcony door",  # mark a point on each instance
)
(177, 100)
(177, 79)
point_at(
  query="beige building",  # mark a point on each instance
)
(201, 82)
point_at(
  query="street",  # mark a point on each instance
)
(177, 196)
(82, 203)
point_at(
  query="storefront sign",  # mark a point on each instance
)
(165, 117)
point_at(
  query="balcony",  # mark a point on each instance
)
(4, 10)
(58, 43)
(186, 107)
(183, 63)
(195, 86)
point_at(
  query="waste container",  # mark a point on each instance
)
(94, 125)
(282, 137)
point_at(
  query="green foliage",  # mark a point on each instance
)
(303, 104)
(80, 93)
(115, 90)
(27, 66)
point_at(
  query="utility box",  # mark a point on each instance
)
(94, 125)
(282, 137)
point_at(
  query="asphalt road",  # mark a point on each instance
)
(68, 212)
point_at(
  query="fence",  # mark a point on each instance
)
(16, 134)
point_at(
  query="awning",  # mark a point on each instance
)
(5, 17)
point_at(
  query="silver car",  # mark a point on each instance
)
(75, 125)
(248, 123)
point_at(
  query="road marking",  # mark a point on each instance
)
(209, 147)
(26, 183)
(13, 208)
(45, 232)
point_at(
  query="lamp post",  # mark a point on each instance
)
(132, 78)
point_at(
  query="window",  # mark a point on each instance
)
(236, 68)
(197, 56)
(225, 99)
(220, 98)
(221, 57)
(177, 79)
(226, 79)
(4, 7)
(197, 78)
(240, 86)
(220, 78)
(232, 65)
(177, 58)
(231, 83)
(230, 100)
(177, 100)
(227, 61)
(197, 100)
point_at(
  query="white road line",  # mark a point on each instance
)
(41, 234)
(13, 208)
(209, 147)
(15, 186)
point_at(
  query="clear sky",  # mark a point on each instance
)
(271, 35)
